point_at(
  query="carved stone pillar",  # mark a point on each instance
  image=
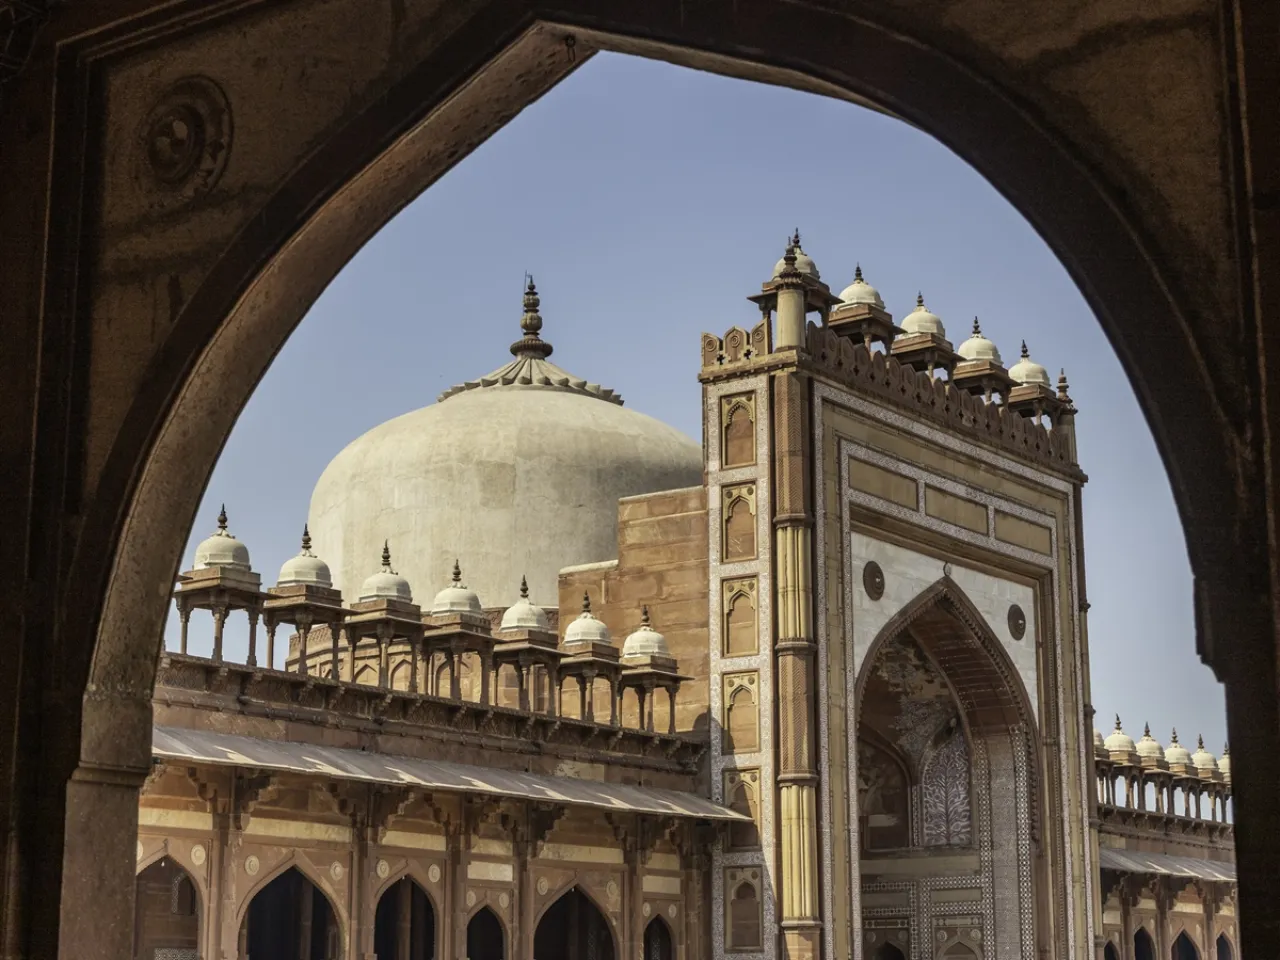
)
(219, 621)
(794, 676)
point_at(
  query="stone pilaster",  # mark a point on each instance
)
(795, 679)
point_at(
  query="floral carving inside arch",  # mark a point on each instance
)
(944, 794)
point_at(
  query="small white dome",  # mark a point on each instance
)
(978, 347)
(586, 628)
(523, 615)
(222, 549)
(1098, 741)
(1149, 747)
(920, 320)
(386, 584)
(1119, 741)
(1206, 763)
(804, 263)
(456, 598)
(645, 642)
(860, 291)
(1176, 752)
(1224, 763)
(306, 568)
(1028, 372)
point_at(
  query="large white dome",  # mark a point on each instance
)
(518, 473)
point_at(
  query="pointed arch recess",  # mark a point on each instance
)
(930, 618)
(312, 876)
(577, 883)
(414, 872)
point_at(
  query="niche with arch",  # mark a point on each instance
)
(741, 728)
(738, 425)
(744, 917)
(166, 912)
(658, 942)
(1184, 948)
(1223, 948)
(739, 522)
(1144, 948)
(740, 628)
(742, 793)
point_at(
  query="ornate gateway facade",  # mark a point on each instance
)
(850, 718)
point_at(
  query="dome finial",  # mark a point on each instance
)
(977, 327)
(1146, 729)
(857, 272)
(1200, 741)
(306, 538)
(531, 345)
(920, 300)
(1174, 739)
(222, 518)
(644, 615)
(386, 554)
(524, 587)
(1225, 751)
(795, 238)
(1025, 355)
(1117, 723)
(1062, 385)
(586, 602)
(457, 574)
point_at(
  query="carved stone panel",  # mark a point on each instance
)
(740, 632)
(739, 513)
(743, 920)
(738, 430)
(742, 793)
(741, 724)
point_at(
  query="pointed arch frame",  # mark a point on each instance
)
(577, 883)
(410, 871)
(294, 862)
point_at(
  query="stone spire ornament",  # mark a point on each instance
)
(977, 328)
(586, 602)
(1146, 729)
(457, 574)
(1025, 354)
(857, 273)
(306, 540)
(386, 556)
(531, 345)
(222, 519)
(524, 587)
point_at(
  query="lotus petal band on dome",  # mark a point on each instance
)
(531, 368)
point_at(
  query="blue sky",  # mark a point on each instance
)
(649, 201)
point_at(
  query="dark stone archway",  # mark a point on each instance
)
(116, 408)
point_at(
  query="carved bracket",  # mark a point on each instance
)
(250, 792)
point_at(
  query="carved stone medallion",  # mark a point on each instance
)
(251, 865)
(185, 140)
(471, 898)
(1017, 622)
(336, 871)
(543, 886)
(504, 899)
(672, 910)
(647, 908)
(433, 873)
(873, 580)
(383, 869)
(198, 854)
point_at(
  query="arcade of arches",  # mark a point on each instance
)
(145, 290)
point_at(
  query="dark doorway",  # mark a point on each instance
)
(404, 927)
(1143, 947)
(1184, 949)
(657, 941)
(573, 929)
(1224, 948)
(485, 938)
(1110, 952)
(289, 918)
(166, 913)
(887, 951)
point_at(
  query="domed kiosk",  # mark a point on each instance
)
(517, 472)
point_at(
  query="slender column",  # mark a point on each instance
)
(413, 664)
(335, 668)
(184, 614)
(271, 641)
(384, 641)
(405, 910)
(522, 685)
(794, 674)
(455, 682)
(586, 686)
(252, 661)
(553, 679)
(615, 715)
(304, 633)
(487, 691)
(671, 702)
(219, 621)
(353, 640)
